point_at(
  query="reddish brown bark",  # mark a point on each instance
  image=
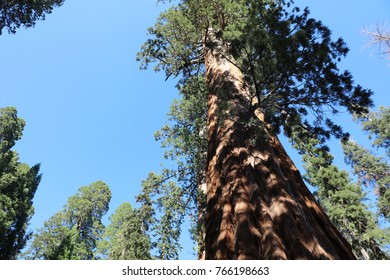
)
(201, 217)
(258, 206)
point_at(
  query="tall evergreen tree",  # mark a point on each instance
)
(17, 13)
(342, 199)
(377, 125)
(266, 65)
(184, 139)
(73, 233)
(125, 237)
(372, 171)
(162, 211)
(18, 184)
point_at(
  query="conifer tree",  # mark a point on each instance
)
(377, 125)
(125, 238)
(162, 210)
(73, 232)
(342, 199)
(17, 13)
(266, 65)
(184, 139)
(372, 171)
(18, 184)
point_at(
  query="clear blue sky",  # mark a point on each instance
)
(91, 113)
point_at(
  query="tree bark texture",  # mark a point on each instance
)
(258, 206)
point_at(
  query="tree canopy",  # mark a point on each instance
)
(288, 62)
(17, 13)
(288, 58)
(73, 232)
(343, 199)
(125, 238)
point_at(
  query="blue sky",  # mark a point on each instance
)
(91, 113)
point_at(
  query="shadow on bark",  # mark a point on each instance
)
(258, 205)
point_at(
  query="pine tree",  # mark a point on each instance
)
(18, 184)
(73, 232)
(266, 65)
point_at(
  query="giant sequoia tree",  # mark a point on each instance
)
(266, 67)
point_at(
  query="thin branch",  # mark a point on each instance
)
(379, 37)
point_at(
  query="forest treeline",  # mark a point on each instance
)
(232, 179)
(152, 230)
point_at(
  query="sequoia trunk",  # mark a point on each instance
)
(258, 206)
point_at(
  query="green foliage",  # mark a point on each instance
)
(372, 171)
(162, 209)
(17, 13)
(176, 56)
(18, 184)
(342, 199)
(377, 124)
(11, 128)
(185, 135)
(73, 233)
(184, 139)
(289, 61)
(124, 237)
(54, 241)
